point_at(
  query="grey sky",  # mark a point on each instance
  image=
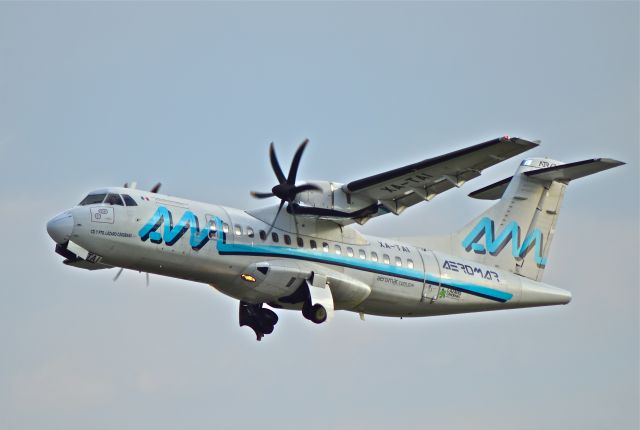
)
(191, 95)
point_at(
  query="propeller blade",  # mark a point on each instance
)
(156, 187)
(261, 195)
(295, 220)
(115, 278)
(274, 163)
(306, 187)
(293, 170)
(276, 217)
(147, 273)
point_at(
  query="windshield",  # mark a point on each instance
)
(92, 199)
(114, 199)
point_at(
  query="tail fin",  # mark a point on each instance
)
(525, 217)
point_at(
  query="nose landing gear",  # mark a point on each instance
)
(260, 319)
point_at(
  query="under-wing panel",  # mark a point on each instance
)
(435, 175)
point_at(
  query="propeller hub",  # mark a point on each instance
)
(284, 191)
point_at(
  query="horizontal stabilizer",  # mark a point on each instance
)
(567, 172)
(561, 173)
(493, 191)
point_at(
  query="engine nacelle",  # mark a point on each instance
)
(333, 202)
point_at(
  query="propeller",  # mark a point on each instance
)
(153, 189)
(115, 278)
(286, 189)
(156, 188)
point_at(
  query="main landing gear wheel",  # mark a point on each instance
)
(260, 319)
(316, 313)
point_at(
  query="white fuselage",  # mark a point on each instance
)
(404, 280)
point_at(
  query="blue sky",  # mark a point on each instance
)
(95, 94)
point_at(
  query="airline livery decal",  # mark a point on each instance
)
(494, 245)
(171, 234)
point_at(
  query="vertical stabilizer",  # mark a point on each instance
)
(516, 233)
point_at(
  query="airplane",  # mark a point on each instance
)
(310, 258)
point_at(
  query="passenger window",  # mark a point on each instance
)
(213, 230)
(325, 247)
(238, 230)
(398, 262)
(362, 254)
(274, 237)
(128, 200)
(374, 256)
(263, 235)
(287, 239)
(338, 249)
(313, 245)
(385, 259)
(410, 264)
(114, 199)
(300, 242)
(225, 227)
(350, 251)
(250, 232)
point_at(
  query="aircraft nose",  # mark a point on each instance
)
(60, 227)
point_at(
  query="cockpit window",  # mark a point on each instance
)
(92, 199)
(128, 200)
(114, 199)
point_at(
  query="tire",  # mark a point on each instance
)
(269, 316)
(318, 314)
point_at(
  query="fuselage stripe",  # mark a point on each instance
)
(352, 263)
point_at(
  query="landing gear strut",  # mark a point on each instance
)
(260, 319)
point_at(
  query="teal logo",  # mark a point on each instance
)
(169, 233)
(495, 244)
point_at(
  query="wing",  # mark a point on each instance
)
(400, 188)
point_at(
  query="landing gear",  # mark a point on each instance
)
(260, 319)
(316, 313)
